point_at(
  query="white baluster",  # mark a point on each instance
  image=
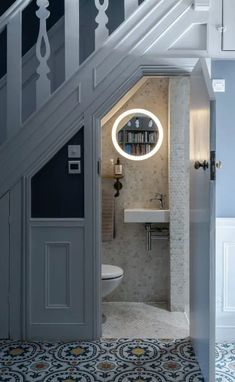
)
(101, 32)
(43, 51)
(14, 74)
(71, 37)
(129, 7)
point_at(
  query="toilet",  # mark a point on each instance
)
(111, 278)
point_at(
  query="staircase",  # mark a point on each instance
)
(148, 31)
(64, 82)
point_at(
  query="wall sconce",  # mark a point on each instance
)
(204, 165)
(118, 174)
(117, 185)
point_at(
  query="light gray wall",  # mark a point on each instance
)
(225, 138)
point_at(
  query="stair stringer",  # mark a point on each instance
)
(126, 52)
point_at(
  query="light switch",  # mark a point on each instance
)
(218, 85)
(74, 151)
(74, 167)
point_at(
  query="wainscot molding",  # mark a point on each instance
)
(228, 256)
(225, 222)
(225, 283)
(225, 333)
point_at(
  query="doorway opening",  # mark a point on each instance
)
(145, 209)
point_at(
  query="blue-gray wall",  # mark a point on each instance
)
(225, 139)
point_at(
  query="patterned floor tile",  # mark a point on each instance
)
(122, 360)
(225, 362)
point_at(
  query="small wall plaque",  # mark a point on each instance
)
(74, 167)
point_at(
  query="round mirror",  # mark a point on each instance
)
(137, 134)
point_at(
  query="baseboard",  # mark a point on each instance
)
(225, 334)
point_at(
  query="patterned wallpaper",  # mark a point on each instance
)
(146, 274)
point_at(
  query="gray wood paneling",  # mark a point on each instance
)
(57, 275)
(57, 280)
(4, 266)
(16, 261)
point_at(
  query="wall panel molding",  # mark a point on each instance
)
(57, 280)
(228, 265)
(57, 284)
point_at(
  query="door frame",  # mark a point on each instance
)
(202, 71)
(97, 115)
(212, 282)
(95, 118)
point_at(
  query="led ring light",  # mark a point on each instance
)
(115, 128)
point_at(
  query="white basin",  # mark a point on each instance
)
(145, 215)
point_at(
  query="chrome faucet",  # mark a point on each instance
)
(160, 198)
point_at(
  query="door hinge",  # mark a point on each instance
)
(9, 219)
(213, 165)
(99, 167)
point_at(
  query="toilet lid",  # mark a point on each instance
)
(111, 271)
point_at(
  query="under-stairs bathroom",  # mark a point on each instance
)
(116, 229)
(144, 194)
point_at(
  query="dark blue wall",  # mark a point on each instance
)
(225, 139)
(55, 192)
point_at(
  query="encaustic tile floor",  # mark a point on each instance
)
(121, 360)
(225, 362)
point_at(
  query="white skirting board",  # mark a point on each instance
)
(225, 279)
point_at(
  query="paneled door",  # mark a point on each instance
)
(60, 256)
(228, 42)
(202, 223)
(4, 266)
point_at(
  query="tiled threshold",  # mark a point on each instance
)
(144, 320)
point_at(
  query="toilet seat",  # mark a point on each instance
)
(110, 272)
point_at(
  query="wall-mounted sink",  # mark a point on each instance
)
(145, 215)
